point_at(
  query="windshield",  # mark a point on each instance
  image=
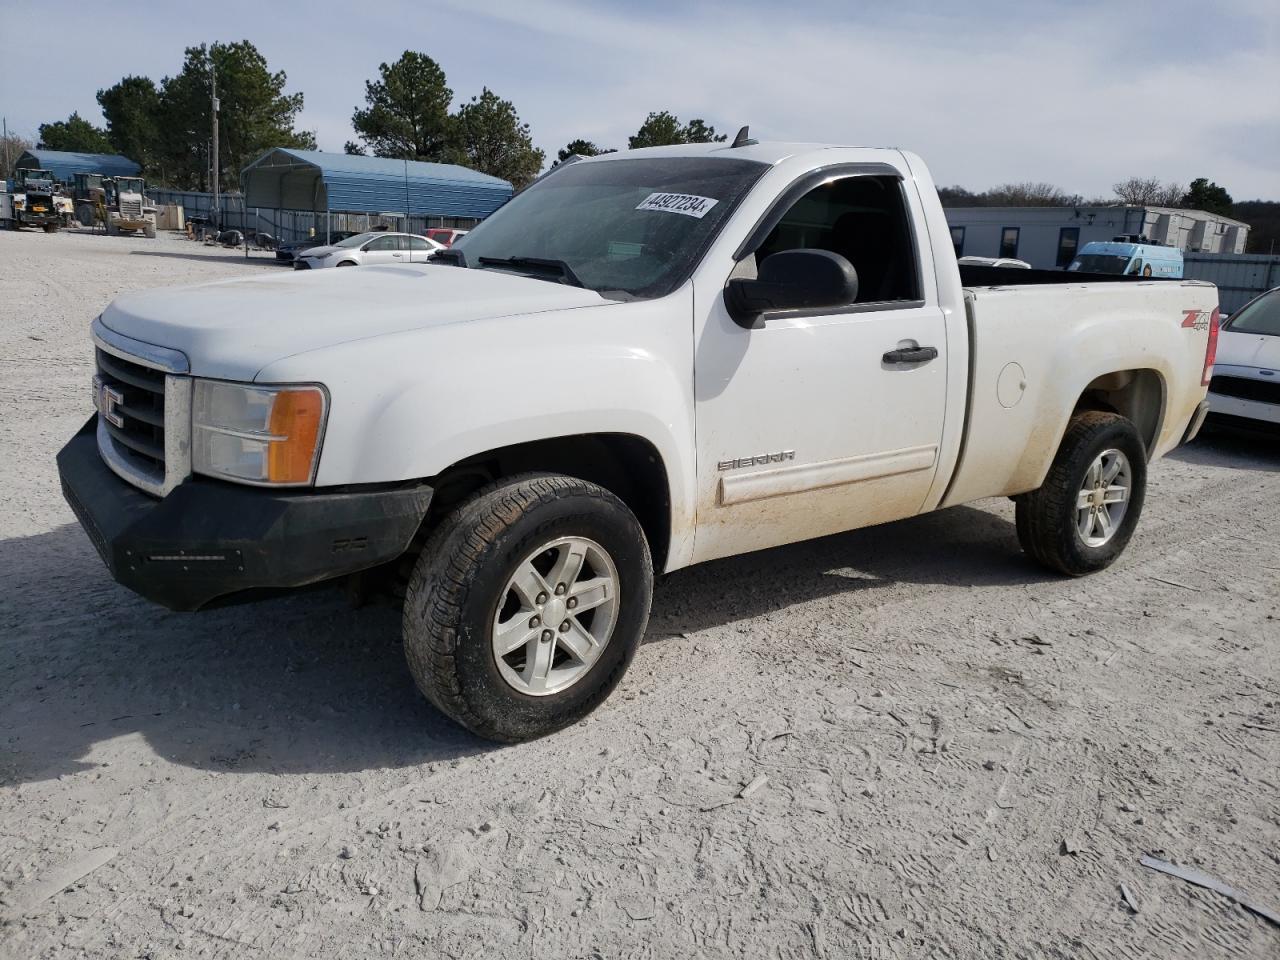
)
(357, 240)
(1100, 263)
(624, 228)
(1261, 316)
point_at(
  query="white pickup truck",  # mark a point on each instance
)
(644, 361)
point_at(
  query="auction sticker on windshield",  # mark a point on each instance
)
(683, 203)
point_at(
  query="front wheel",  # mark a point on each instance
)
(1082, 517)
(527, 605)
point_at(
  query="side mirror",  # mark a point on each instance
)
(792, 280)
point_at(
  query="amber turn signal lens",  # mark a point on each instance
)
(296, 417)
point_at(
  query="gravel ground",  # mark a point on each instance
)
(965, 757)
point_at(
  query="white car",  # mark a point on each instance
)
(369, 248)
(994, 262)
(1246, 374)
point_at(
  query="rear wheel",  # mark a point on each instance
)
(527, 605)
(1081, 519)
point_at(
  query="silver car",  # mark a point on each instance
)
(369, 248)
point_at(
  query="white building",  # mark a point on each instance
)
(1048, 237)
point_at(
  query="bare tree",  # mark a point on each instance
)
(11, 148)
(1030, 194)
(1149, 191)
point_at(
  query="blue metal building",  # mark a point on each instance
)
(65, 165)
(286, 179)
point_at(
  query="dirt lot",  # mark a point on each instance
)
(965, 757)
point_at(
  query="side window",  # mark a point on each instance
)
(1009, 241)
(1068, 242)
(384, 243)
(417, 244)
(865, 220)
(957, 241)
(1136, 268)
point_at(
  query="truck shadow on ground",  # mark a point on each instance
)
(1233, 445)
(256, 258)
(304, 684)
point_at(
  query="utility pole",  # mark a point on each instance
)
(406, 193)
(214, 208)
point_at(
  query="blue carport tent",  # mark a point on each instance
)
(65, 165)
(287, 179)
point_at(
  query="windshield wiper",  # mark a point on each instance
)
(535, 265)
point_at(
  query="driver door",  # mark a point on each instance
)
(810, 423)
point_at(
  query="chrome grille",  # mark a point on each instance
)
(131, 208)
(144, 411)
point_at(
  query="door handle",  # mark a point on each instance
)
(911, 355)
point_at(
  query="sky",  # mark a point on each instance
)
(1081, 94)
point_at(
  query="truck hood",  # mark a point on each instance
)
(233, 328)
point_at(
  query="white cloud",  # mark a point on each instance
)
(1079, 92)
(1078, 95)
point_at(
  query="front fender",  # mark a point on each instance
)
(409, 405)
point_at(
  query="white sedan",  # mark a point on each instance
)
(1246, 372)
(369, 248)
(994, 262)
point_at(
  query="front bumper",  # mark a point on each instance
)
(1220, 403)
(213, 541)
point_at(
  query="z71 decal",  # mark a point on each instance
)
(1199, 319)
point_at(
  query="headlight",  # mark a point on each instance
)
(264, 435)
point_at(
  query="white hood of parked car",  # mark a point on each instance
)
(1248, 350)
(231, 329)
(322, 251)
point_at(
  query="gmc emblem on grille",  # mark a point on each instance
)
(106, 400)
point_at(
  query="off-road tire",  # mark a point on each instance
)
(460, 578)
(1046, 518)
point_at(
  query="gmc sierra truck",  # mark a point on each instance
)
(645, 360)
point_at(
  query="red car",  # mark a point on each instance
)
(446, 235)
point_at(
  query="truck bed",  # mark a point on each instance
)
(1036, 348)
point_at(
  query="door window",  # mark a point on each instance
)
(865, 220)
(384, 243)
(418, 245)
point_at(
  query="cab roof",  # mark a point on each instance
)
(769, 152)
